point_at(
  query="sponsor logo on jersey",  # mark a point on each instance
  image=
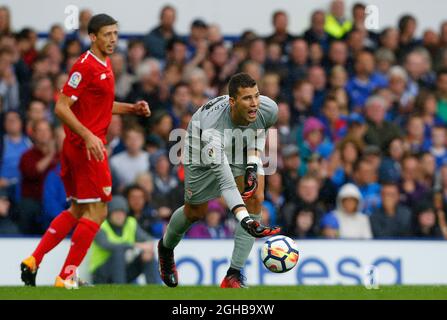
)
(107, 190)
(75, 79)
(103, 76)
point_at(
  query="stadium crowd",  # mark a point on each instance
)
(362, 140)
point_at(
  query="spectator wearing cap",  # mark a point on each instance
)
(313, 139)
(134, 160)
(380, 132)
(391, 219)
(122, 250)
(155, 41)
(290, 172)
(354, 224)
(329, 226)
(213, 226)
(7, 225)
(356, 128)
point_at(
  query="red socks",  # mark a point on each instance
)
(59, 228)
(82, 238)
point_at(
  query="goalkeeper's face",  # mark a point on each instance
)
(106, 39)
(246, 105)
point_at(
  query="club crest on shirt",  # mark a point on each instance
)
(211, 153)
(107, 190)
(75, 79)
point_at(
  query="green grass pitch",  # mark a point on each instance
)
(155, 292)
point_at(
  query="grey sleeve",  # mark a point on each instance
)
(102, 241)
(269, 110)
(141, 235)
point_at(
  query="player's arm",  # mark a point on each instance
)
(140, 108)
(93, 144)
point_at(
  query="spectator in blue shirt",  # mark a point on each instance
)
(438, 148)
(365, 179)
(364, 81)
(54, 199)
(15, 144)
(155, 42)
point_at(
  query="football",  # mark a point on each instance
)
(279, 254)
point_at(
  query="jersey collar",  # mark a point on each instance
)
(99, 60)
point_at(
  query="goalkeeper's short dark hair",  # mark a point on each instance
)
(240, 80)
(98, 21)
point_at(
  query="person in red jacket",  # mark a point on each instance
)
(34, 166)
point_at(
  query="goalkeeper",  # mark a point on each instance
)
(215, 166)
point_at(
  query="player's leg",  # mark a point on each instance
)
(200, 186)
(59, 228)
(181, 220)
(243, 242)
(83, 235)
